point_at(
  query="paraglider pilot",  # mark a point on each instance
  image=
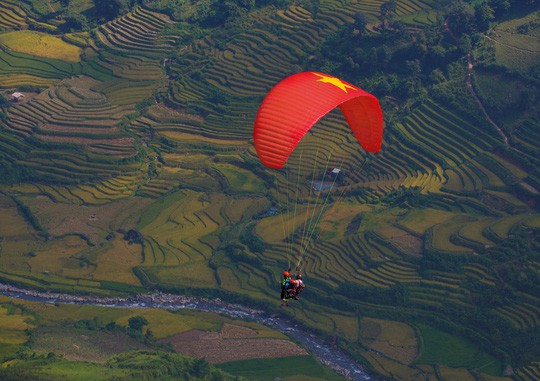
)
(285, 285)
(291, 287)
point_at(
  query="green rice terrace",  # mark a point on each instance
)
(127, 165)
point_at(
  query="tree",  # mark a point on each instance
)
(75, 22)
(437, 76)
(484, 15)
(384, 55)
(148, 336)
(465, 44)
(387, 12)
(218, 12)
(4, 103)
(133, 236)
(413, 68)
(435, 57)
(526, 99)
(137, 323)
(109, 9)
(200, 368)
(461, 18)
(500, 7)
(360, 22)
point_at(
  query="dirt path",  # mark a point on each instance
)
(508, 46)
(470, 67)
(471, 88)
(479, 102)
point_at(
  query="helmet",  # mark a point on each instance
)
(286, 274)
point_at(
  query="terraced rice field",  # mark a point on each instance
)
(394, 339)
(11, 16)
(41, 45)
(529, 373)
(184, 174)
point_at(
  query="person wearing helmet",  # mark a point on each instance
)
(285, 286)
(293, 286)
(299, 286)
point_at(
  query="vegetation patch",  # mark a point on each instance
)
(41, 45)
(18, 237)
(92, 222)
(218, 348)
(14, 325)
(389, 367)
(407, 242)
(439, 347)
(517, 41)
(56, 368)
(419, 220)
(455, 374)
(288, 368)
(394, 339)
(59, 257)
(115, 261)
(240, 179)
(82, 344)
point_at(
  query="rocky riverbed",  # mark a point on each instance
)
(329, 355)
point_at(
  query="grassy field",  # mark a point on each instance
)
(516, 49)
(115, 261)
(72, 370)
(82, 344)
(303, 368)
(18, 238)
(241, 180)
(439, 347)
(498, 86)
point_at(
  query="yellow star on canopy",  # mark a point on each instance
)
(334, 81)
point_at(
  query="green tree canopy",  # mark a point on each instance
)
(136, 323)
(109, 9)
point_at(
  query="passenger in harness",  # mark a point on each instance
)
(300, 286)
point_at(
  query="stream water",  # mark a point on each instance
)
(327, 354)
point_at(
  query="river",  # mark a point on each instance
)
(329, 355)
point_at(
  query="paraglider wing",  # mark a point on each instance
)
(296, 103)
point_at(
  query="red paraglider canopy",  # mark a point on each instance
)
(296, 103)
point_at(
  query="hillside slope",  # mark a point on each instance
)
(132, 168)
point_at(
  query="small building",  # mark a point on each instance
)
(16, 97)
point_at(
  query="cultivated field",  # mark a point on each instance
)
(132, 167)
(396, 340)
(219, 339)
(232, 344)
